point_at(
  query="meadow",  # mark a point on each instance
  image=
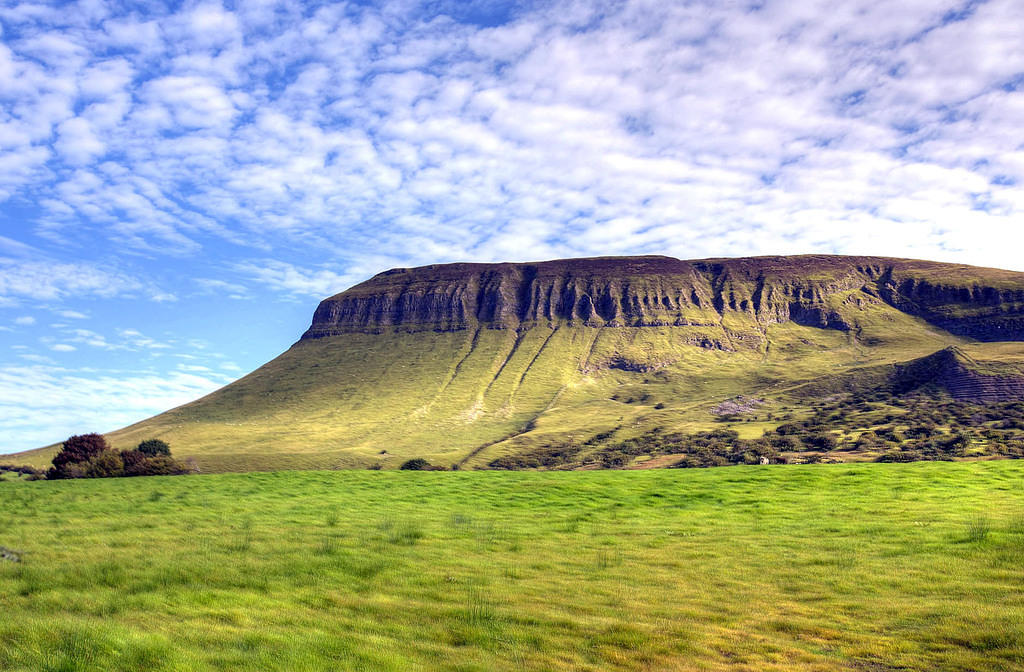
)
(813, 567)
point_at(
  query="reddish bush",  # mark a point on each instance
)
(76, 450)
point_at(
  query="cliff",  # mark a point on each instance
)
(752, 293)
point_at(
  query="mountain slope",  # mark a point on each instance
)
(463, 363)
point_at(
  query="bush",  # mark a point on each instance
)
(900, 456)
(31, 473)
(163, 465)
(134, 462)
(416, 464)
(154, 447)
(107, 464)
(137, 463)
(77, 450)
(822, 440)
(788, 442)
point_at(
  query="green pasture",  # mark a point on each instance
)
(827, 567)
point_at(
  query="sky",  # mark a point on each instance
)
(182, 183)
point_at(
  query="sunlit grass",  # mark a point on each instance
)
(814, 567)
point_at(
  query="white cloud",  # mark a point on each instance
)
(36, 359)
(436, 140)
(136, 339)
(44, 281)
(91, 338)
(25, 321)
(290, 279)
(63, 347)
(43, 404)
(232, 290)
(77, 142)
(14, 247)
(190, 102)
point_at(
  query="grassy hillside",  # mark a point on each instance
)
(467, 397)
(858, 567)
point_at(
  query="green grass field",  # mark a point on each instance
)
(827, 567)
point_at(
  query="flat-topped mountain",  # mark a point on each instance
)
(483, 364)
(985, 304)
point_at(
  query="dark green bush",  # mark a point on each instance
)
(821, 440)
(154, 447)
(137, 463)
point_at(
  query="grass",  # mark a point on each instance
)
(860, 567)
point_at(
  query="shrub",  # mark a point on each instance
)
(31, 473)
(107, 464)
(77, 449)
(137, 463)
(822, 440)
(163, 465)
(81, 448)
(154, 447)
(900, 456)
(416, 464)
(788, 442)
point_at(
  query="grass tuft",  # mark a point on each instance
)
(978, 529)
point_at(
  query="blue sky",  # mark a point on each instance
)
(181, 183)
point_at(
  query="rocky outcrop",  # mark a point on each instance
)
(952, 370)
(985, 304)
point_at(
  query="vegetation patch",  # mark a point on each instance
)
(926, 425)
(90, 456)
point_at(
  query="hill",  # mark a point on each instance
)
(566, 362)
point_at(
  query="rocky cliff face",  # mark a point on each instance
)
(816, 291)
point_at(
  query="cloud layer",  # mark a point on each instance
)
(403, 134)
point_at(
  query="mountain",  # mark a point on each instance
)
(468, 364)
